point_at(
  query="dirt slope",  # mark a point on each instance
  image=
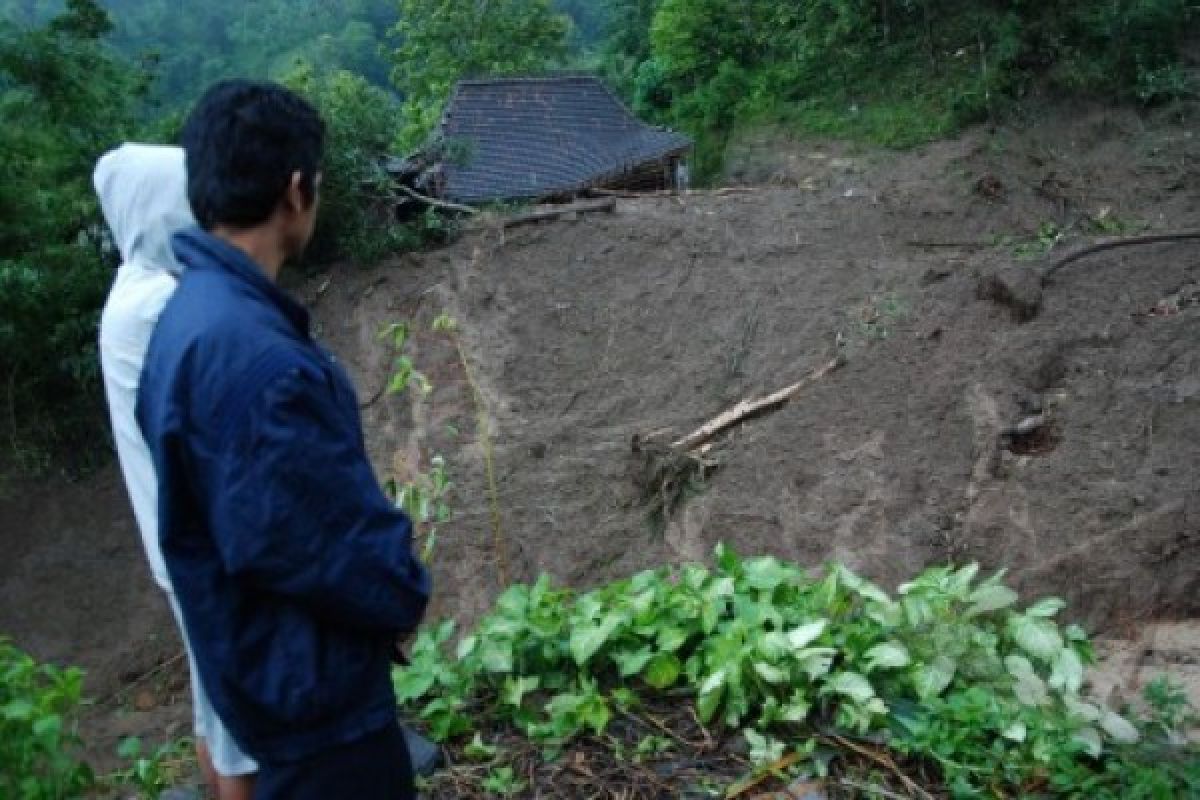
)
(581, 333)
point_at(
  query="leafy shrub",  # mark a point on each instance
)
(362, 122)
(441, 41)
(64, 100)
(38, 741)
(949, 671)
(879, 69)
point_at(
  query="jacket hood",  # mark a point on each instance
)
(143, 194)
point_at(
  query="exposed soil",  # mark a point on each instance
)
(581, 333)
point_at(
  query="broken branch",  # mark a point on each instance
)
(748, 409)
(443, 204)
(608, 204)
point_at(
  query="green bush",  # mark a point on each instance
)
(362, 122)
(890, 71)
(949, 672)
(64, 99)
(39, 745)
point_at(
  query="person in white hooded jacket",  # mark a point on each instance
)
(143, 195)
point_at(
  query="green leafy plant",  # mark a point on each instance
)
(39, 742)
(356, 218)
(949, 670)
(404, 373)
(503, 781)
(151, 771)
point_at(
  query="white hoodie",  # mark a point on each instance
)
(143, 194)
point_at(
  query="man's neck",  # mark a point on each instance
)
(259, 244)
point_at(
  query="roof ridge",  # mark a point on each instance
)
(532, 77)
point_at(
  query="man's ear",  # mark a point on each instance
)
(295, 197)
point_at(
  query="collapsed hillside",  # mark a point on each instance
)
(921, 269)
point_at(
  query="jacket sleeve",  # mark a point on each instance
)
(297, 511)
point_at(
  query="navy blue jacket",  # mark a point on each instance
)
(294, 572)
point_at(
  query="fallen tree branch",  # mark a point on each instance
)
(954, 245)
(1110, 244)
(431, 201)
(748, 409)
(633, 194)
(585, 207)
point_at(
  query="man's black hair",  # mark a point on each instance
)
(244, 140)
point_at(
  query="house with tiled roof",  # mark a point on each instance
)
(534, 138)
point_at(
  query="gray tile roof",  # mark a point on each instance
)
(534, 137)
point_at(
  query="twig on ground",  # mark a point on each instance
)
(882, 760)
(872, 789)
(153, 672)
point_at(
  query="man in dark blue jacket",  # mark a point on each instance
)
(295, 575)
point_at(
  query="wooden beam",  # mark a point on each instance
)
(586, 207)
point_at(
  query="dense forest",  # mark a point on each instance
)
(80, 76)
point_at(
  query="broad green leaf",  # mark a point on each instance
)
(1035, 635)
(917, 611)
(888, 655)
(130, 747)
(861, 586)
(1046, 607)
(796, 709)
(479, 750)
(17, 710)
(1075, 633)
(774, 645)
(466, 646)
(1067, 674)
(1018, 666)
(588, 638)
(727, 560)
(815, 661)
(515, 689)
(631, 663)
(930, 680)
(804, 635)
(765, 573)
(596, 714)
(671, 638)
(764, 749)
(1089, 739)
(411, 684)
(770, 673)
(1080, 709)
(989, 598)
(496, 655)
(1119, 728)
(708, 698)
(887, 615)
(1015, 732)
(961, 579)
(721, 587)
(663, 670)
(1030, 690)
(850, 684)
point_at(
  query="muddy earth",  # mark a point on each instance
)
(987, 410)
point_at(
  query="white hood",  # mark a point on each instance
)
(143, 194)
